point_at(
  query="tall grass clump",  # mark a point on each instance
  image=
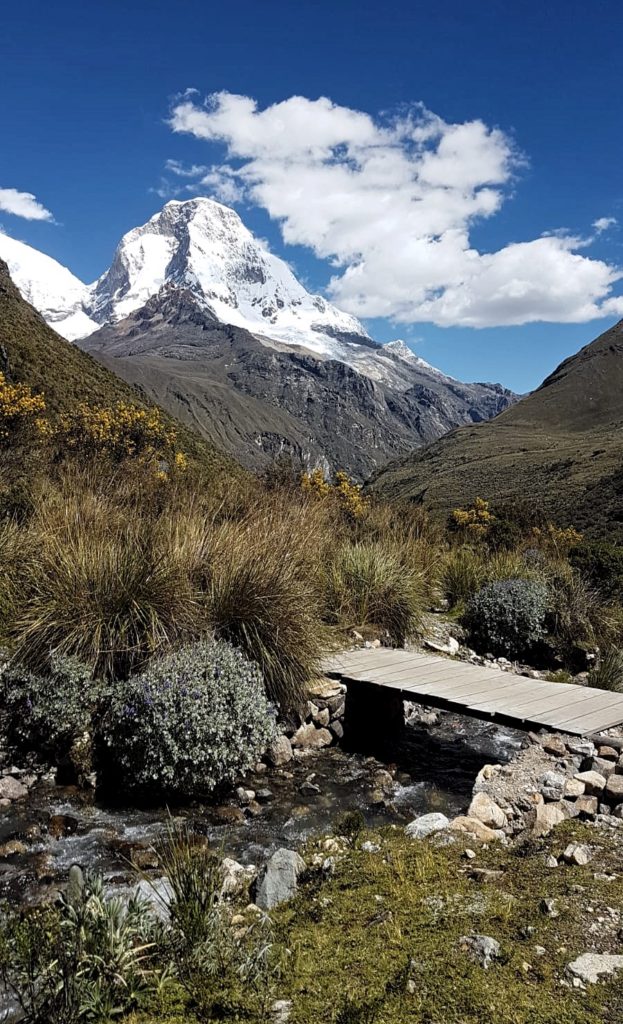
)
(101, 587)
(463, 575)
(369, 584)
(608, 672)
(263, 591)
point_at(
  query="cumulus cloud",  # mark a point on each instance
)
(391, 202)
(23, 204)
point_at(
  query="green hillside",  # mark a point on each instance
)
(560, 447)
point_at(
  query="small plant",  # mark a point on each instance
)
(369, 584)
(608, 672)
(47, 711)
(193, 719)
(350, 826)
(223, 969)
(89, 959)
(508, 617)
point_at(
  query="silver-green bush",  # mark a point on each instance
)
(508, 617)
(193, 719)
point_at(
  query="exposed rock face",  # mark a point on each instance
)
(593, 967)
(426, 825)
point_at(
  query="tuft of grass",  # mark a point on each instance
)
(370, 584)
(463, 575)
(608, 672)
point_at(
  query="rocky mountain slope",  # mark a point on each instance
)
(32, 353)
(219, 331)
(561, 446)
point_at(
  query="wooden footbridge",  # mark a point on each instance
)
(380, 680)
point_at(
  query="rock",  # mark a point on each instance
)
(608, 753)
(323, 717)
(614, 789)
(384, 781)
(12, 848)
(547, 817)
(278, 880)
(487, 811)
(485, 874)
(554, 746)
(337, 729)
(62, 825)
(552, 786)
(481, 948)
(583, 748)
(590, 967)
(426, 825)
(451, 645)
(227, 815)
(309, 737)
(485, 774)
(549, 907)
(236, 877)
(603, 766)
(264, 796)
(577, 853)
(369, 847)
(4, 803)
(618, 811)
(573, 789)
(474, 827)
(551, 862)
(308, 787)
(594, 783)
(279, 751)
(281, 1011)
(587, 806)
(11, 789)
(245, 796)
(326, 689)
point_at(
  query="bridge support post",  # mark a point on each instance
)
(374, 718)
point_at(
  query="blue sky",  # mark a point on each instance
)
(88, 90)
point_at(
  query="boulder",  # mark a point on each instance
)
(587, 806)
(577, 853)
(487, 811)
(426, 825)
(583, 748)
(573, 789)
(614, 789)
(591, 967)
(280, 751)
(474, 827)
(308, 737)
(594, 783)
(603, 766)
(554, 746)
(236, 877)
(547, 817)
(449, 646)
(608, 753)
(11, 789)
(552, 786)
(278, 880)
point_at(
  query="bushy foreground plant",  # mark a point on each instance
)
(91, 958)
(608, 672)
(46, 711)
(369, 584)
(195, 718)
(225, 970)
(508, 617)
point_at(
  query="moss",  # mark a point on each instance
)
(387, 919)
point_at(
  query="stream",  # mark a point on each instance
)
(434, 770)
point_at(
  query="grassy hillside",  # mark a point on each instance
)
(561, 446)
(32, 353)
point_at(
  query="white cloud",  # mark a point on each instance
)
(23, 204)
(391, 202)
(603, 223)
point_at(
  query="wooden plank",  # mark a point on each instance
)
(382, 656)
(550, 702)
(474, 692)
(605, 719)
(513, 691)
(416, 674)
(601, 702)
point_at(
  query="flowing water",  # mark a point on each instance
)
(434, 769)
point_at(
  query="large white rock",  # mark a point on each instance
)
(278, 880)
(426, 825)
(486, 810)
(590, 967)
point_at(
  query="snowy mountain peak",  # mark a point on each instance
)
(401, 350)
(202, 245)
(50, 287)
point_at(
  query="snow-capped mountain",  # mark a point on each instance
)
(60, 297)
(204, 247)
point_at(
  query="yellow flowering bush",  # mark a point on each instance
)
(557, 540)
(343, 491)
(21, 411)
(474, 521)
(121, 432)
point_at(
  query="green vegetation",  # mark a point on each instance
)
(608, 672)
(508, 617)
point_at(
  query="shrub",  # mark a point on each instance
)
(90, 958)
(45, 712)
(263, 594)
(507, 617)
(475, 521)
(577, 614)
(601, 564)
(193, 719)
(608, 672)
(369, 584)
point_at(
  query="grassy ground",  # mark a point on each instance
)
(378, 943)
